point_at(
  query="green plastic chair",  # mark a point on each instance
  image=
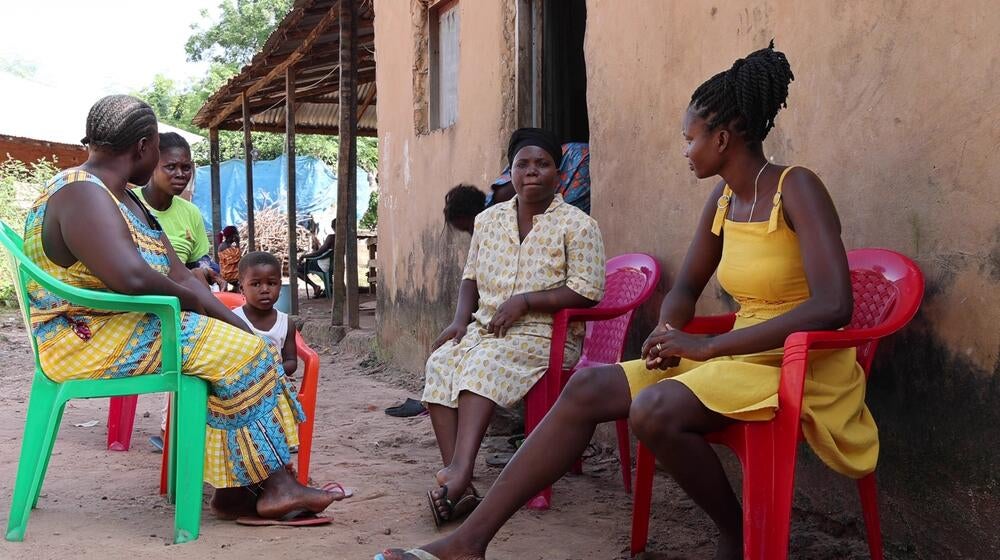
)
(45, 407)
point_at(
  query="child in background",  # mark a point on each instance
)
(260, 282)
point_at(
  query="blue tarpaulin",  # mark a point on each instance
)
(315, 189)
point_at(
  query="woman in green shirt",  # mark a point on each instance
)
(180, 220)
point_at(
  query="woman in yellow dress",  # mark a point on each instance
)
(89, 230)
(772, 235)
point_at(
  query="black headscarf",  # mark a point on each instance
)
(540, 137)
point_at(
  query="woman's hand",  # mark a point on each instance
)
(454, 331)
(190, 302)
(666, 345)
(507, 314)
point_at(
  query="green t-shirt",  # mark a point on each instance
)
(184, 226)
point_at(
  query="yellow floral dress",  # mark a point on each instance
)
(761, 267)
(564, 248)
(252, 409)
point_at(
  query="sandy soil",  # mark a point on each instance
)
(101, 504)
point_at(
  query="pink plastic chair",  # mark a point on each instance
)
(630, 280)
(888, 288)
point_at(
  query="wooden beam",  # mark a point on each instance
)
(293, 264)
(368, 101)
(248, 163)
(345, 243)
(299, 129)
(281, 67)
(213, 157)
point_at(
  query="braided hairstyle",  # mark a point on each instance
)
(117, 122)
(748, 95)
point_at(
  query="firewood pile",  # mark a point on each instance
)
(271, 235)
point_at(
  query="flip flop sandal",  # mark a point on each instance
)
(415, 552)
(440, 519)
(466, 505)
(336, 486)
(157, 443)
(409, 408)
(295, 518)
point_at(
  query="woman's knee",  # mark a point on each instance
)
(590, 388)
(654, 413)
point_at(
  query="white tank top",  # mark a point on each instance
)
(276, 335)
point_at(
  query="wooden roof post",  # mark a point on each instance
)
(248, 156)
(293, 284)
(213, 156)
(345, 242)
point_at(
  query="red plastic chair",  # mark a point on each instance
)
(121, 415)
(630, 280)
(887, 288)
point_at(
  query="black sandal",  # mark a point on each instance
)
(455, 510)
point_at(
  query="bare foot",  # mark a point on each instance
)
(457, 483)
(282, 494)
(230, 503)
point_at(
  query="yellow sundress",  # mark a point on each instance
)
(761, 267)
(252, 409)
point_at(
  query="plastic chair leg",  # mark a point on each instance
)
(305, 446)
(192, 408)
(869, 507)
(40, 428)
(645, 464)
(535, 409)
(165, 468)
(625, 453)
(121, 420)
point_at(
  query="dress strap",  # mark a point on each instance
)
(722, 206)
(772, 223)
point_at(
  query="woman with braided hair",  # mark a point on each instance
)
(88, 229)
(772, 234)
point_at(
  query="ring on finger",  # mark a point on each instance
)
(659, 347)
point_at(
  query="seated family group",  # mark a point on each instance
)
(770, 232)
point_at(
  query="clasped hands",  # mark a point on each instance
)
(665, 346)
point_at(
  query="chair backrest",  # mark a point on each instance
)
(17, 262)
(231, 300)
(887, 288)
(630, 280)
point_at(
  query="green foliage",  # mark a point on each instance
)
(370, 219)
(241, 30)
(20, 184)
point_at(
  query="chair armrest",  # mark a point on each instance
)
(166, 308)
(590, 313)
(710, 324)
(324, 255)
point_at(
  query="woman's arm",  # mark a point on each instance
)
(696, 270)
(211, 304)
(289, 358)
(468, 302)
(807, 204)
(326, 246)
(92, 231)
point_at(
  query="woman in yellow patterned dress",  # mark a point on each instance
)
(530, 256)
(89, 230)
(773, 236)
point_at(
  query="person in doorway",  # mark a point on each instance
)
(320, 266)
(181, 220)
(89, 229)
(230, 254)
(529, 257)
(773, 235)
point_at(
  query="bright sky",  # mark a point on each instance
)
(123, 43)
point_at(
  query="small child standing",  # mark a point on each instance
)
(260, 282)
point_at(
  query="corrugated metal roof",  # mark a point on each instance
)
(308, 40)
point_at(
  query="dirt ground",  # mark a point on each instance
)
(97, 504)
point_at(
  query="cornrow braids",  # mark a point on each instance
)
(749, 94)
(170, 140)
(119, 121)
